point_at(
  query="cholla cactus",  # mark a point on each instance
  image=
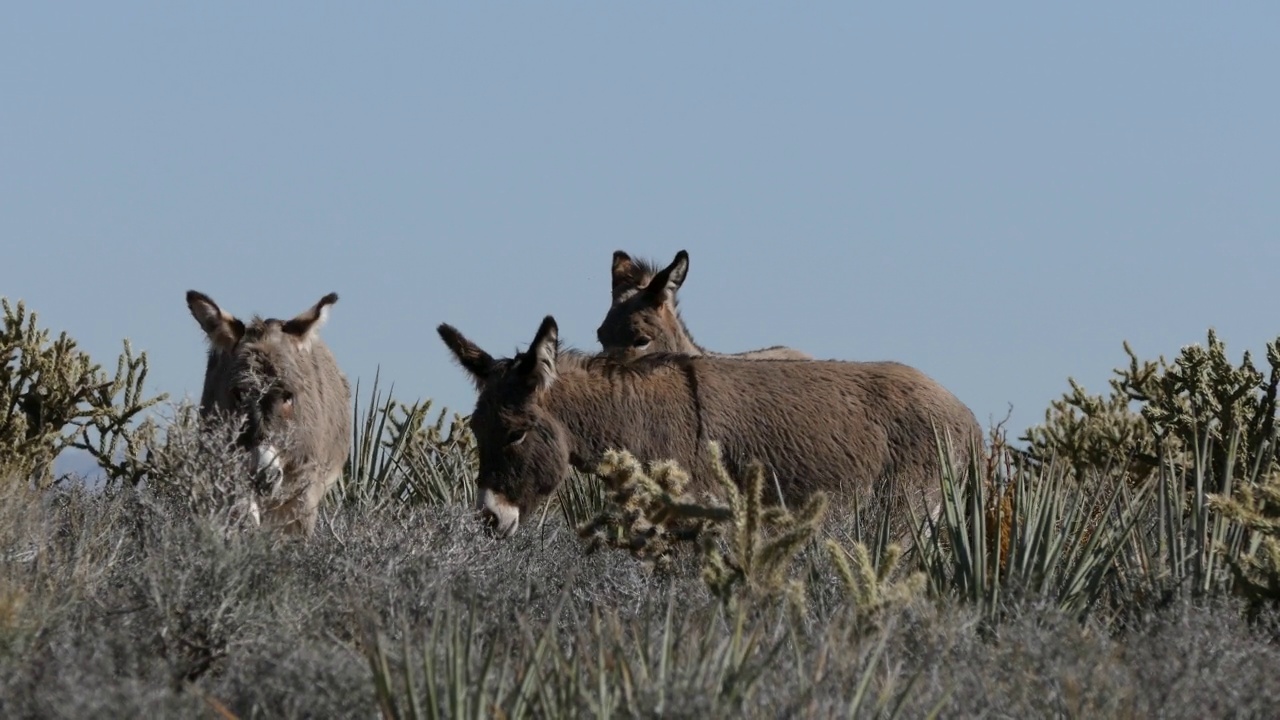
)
(648, 511)
(747, 547)
(1197, 401)
(870, 590)
(1257, 508)
(52, 397)
(763, 541)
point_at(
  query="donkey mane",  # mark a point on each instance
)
(257, 326)
(646, 266)
(570, 359)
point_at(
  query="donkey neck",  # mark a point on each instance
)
(648, 409)
(684, 338)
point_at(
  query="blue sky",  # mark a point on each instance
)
(996, 193)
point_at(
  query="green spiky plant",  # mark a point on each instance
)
(639, 667)
(53, 397)
(396, 456)
(582, 499)
(1045, 534)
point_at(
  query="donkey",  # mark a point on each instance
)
(644, 316)
(852, 429)
(281, 378)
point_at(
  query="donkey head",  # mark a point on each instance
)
(523, 449)
(263, 374)
(643, 318)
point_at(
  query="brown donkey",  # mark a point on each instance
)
(282, 380)
(645, 318)
(848, 428)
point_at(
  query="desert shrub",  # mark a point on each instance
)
(1199, 434)
(117, 604)
(194, 469)
(1158, 412)
(53, 397)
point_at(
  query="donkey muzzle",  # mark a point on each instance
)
(268, 469)
(502, 513)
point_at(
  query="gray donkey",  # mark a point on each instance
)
(282, 380)
(852, 429)
(645, 318)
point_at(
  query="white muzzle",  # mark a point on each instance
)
(268, 468)
(506, 515)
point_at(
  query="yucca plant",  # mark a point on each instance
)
(459, 672)
(456, 676)
(397, 457)
(1198, 540)
(1063, 536)
(638, 672)
(439, 468)
(582, 498)
(369, 473)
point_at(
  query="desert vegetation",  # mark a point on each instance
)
(1122, 559)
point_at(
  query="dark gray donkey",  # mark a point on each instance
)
(852, 429)
(645, 318)
(280, 378)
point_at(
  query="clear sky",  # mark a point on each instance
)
(996, 193)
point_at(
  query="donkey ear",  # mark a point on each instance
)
(663, 287)
(223, 329)
(475, 361)
(308, 323)
(627, 275)
(540, 359)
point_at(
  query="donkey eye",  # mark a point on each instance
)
(516, 437)
(641, 342)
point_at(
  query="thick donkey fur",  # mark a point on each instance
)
(644, 316)
(856, 430)
(282, 380)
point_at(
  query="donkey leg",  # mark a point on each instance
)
(312, 499)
